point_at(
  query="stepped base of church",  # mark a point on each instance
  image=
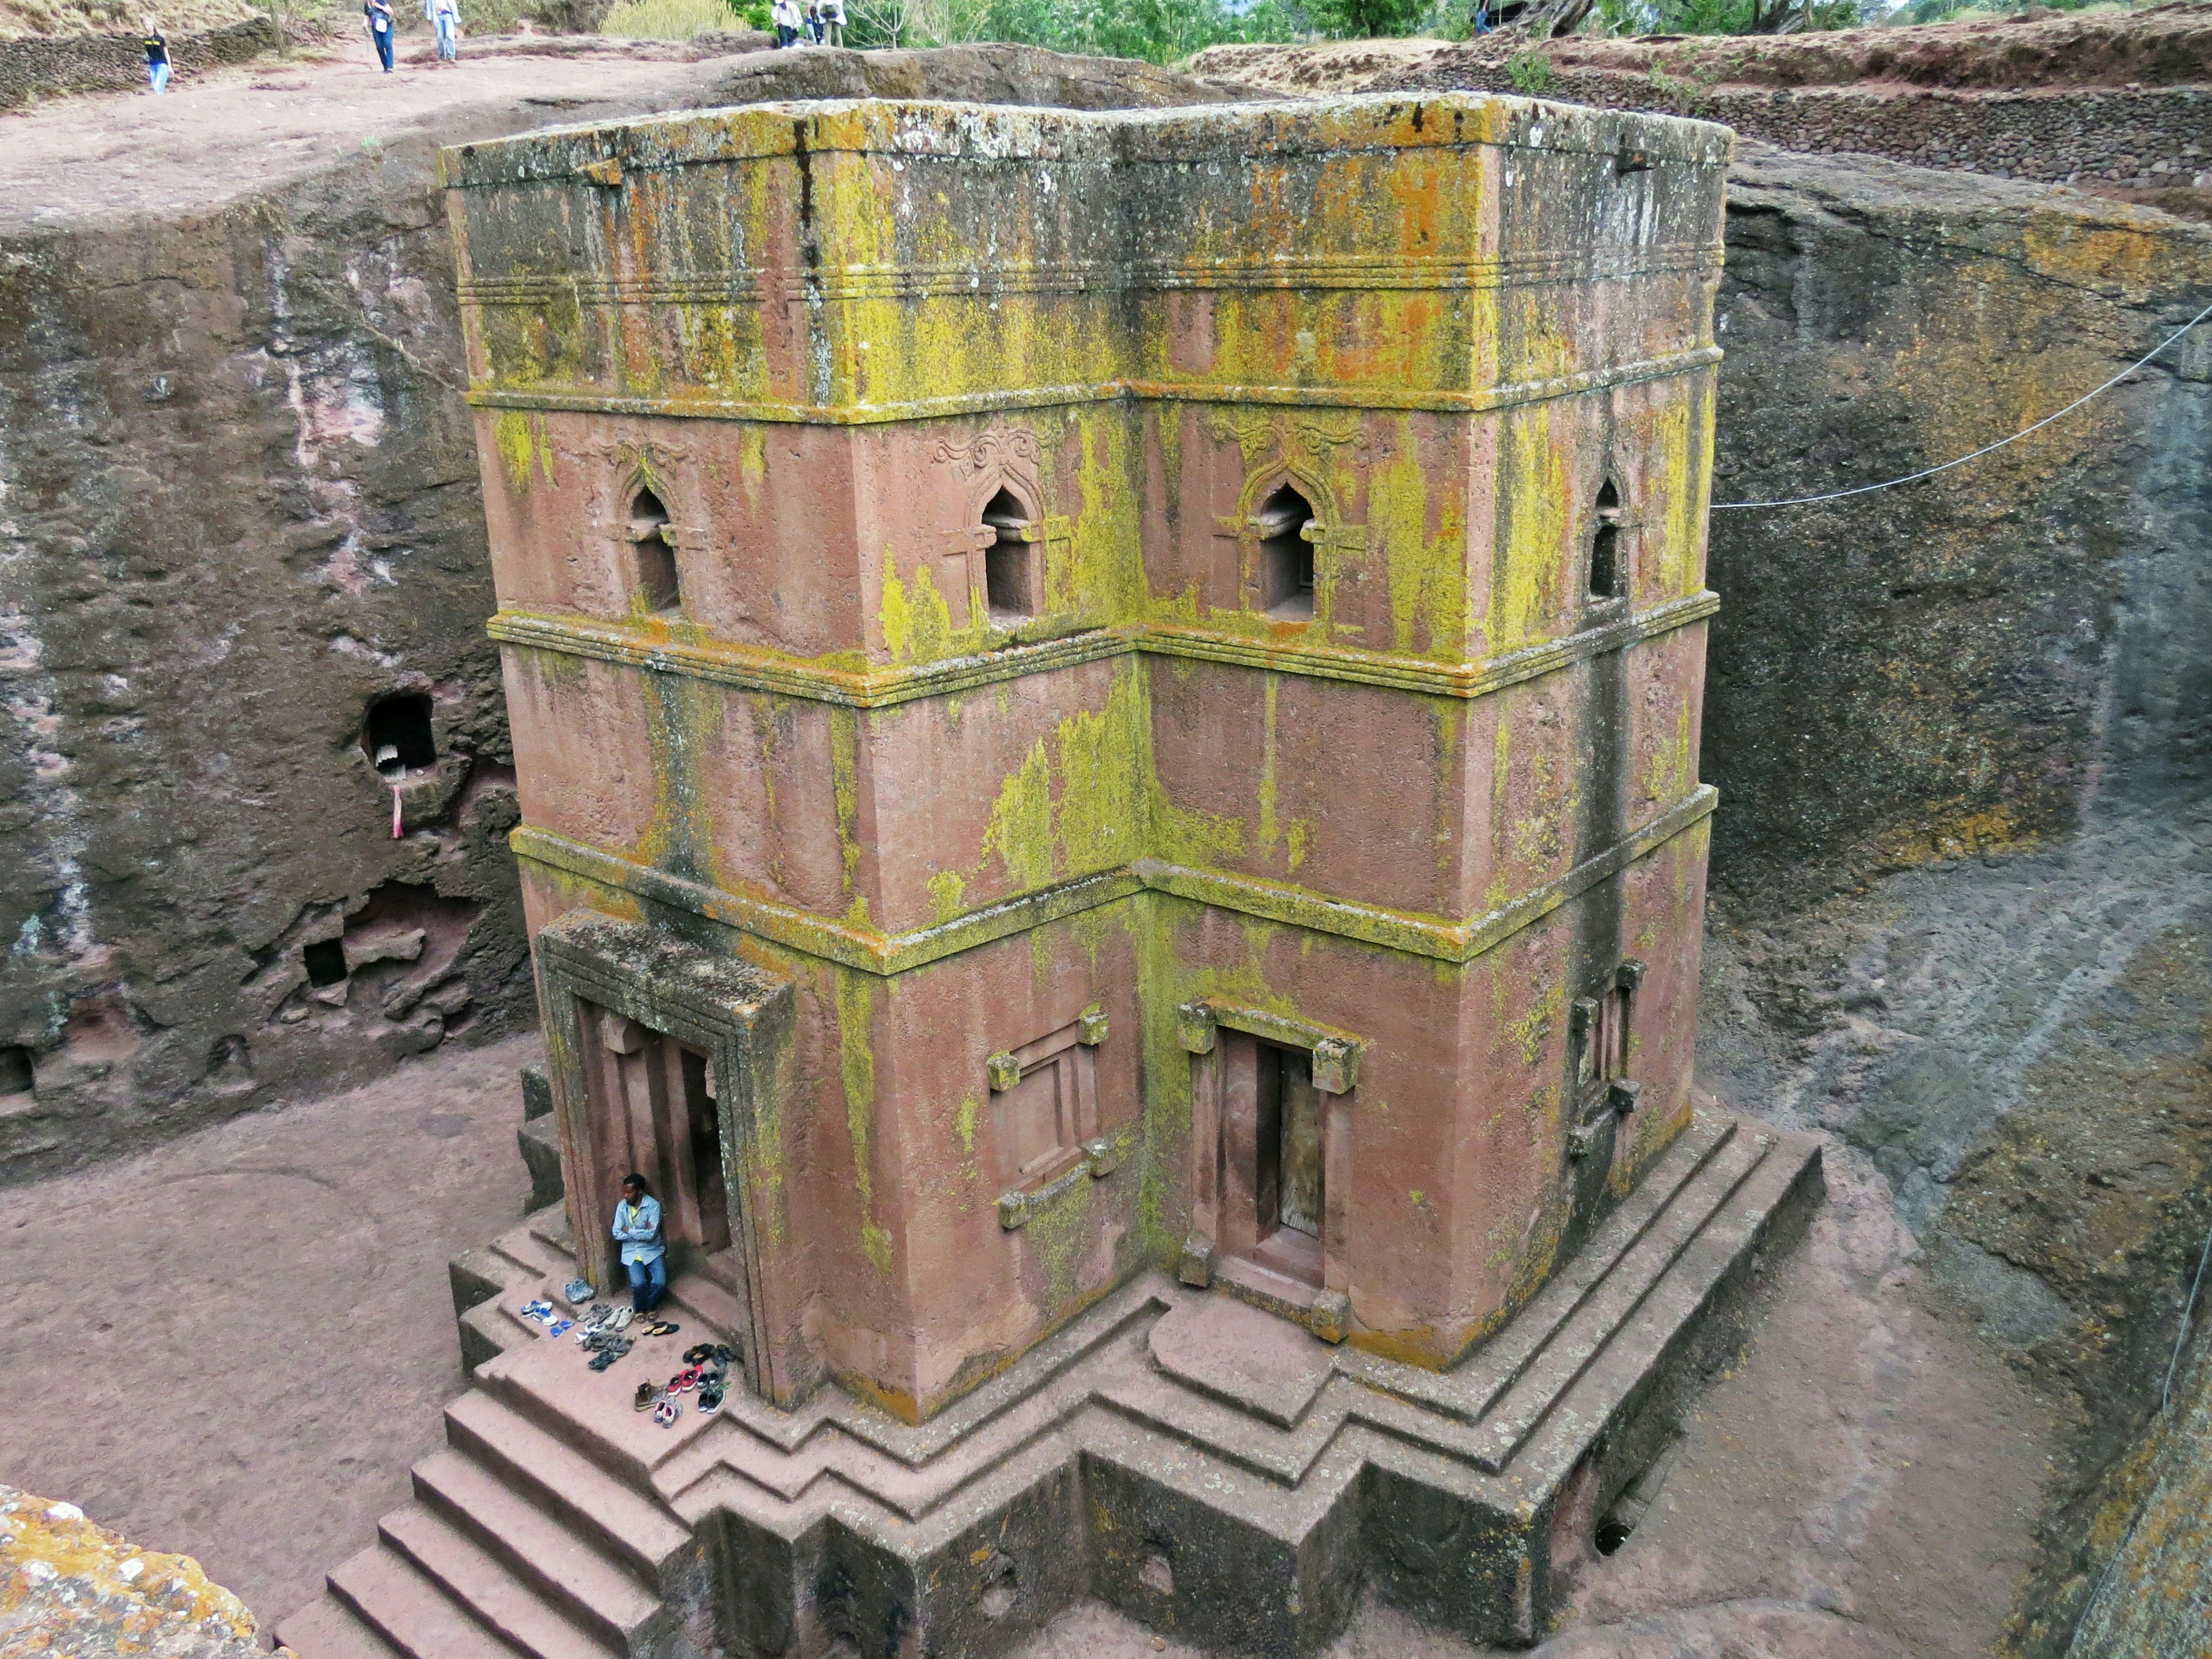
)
(1209, 1470)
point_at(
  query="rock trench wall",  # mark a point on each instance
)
(1962, 731)
(242, 548)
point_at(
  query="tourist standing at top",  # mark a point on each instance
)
(644, 1252)
(785, 15)
(445, 17)
(379, 13)
(833, 23)
(157, 55)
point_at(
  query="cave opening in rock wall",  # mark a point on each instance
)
(397, 734)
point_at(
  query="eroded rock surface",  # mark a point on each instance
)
(68, 1586)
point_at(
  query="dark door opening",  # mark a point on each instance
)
(702, 1119)
(1288, 1188)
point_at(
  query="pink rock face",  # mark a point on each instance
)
(1097, 691)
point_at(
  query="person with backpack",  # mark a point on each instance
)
(379, 13)
(832, 32)
(157, 57)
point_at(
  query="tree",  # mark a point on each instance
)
(1368, 20)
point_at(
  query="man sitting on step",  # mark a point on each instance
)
(644, 1251)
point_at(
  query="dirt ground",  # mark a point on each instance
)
(2157, 46)
(228, 133)
(238, 1344)
(235, 1346)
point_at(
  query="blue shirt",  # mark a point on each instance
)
(638, 1231)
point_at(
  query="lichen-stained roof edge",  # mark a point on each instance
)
(929, 129)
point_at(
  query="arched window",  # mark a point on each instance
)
(1609, 563)
(655, 558)
(1285, 523)
(1009, 572)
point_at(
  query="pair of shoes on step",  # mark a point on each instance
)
(577, 1291)
(616, 1347)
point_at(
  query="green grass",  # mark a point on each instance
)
(669, 20)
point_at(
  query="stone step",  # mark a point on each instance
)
(476, 1579)
(710, 1305)
(1612, 1301)
(328, 1629)
(532, 1254)
(553, 1385)
(559, 1563)
(550, 1227)
(616, 1518)
(489, 1330)
(409, 1610)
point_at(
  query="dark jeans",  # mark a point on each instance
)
(648, 1283)
(383, 39)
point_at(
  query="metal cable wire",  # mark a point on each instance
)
(1929, 472)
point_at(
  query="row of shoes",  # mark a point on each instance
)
(706, 1371)
(616, 1321)
(543, 1312)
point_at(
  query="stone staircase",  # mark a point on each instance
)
(529, 1535)
(1164, 1421)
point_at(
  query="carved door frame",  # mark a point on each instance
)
(736, 1014)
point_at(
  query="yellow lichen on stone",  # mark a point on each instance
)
(70, 1586)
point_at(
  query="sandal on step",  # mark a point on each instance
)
(697, 1353)
(558, 1327)
(662, 1327)
(605, 1358)
(666, 1413)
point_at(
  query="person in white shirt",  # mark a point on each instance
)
(445, 16)
(787, 17)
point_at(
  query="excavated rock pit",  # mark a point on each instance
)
(1960, 868)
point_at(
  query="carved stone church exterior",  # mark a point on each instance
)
(1107, 713)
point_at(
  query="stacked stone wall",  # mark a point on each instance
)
(42, 65)
(2157, 136)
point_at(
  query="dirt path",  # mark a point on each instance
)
(230, 133)
(235, 1346)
